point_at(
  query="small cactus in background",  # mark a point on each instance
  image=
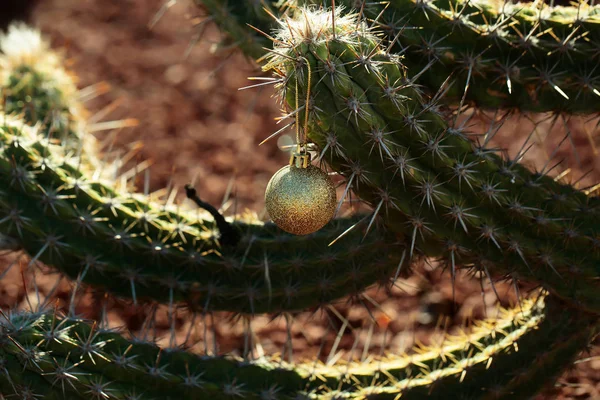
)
(383, 122)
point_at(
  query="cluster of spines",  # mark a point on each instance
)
(46, 354)
(450, 197)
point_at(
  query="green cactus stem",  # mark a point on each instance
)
(57, 357)
(450, 197)
(36, 82)
(93, 233)
(438, 193)
(526, 56)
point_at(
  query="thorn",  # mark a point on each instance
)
(161, 12)
(271, 136)
(110, 125)
(333, 18)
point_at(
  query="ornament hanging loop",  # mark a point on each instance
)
(300, 159)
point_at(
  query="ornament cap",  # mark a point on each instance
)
(300, 159)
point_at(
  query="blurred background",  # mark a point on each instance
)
(184, 120)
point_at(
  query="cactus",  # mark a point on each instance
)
(37, 86)
(528, 56)
(525, 56)
(436, 193)
(447, 196)
(56, 357)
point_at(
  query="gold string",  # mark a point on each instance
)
(303, 143)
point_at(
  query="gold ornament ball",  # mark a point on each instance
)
(300, 200)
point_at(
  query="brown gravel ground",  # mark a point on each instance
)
(194, 125)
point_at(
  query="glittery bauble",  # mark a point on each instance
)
(300, 200)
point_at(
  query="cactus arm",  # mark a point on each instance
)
(519, 56)
(453, 200)
(92, 232)
(37, 89)
(268, 270)
(108, 363)
(524, 56)
(502, 55)
(507, 374)
(478, 363)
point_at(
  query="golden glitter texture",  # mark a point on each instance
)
(300, 200)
